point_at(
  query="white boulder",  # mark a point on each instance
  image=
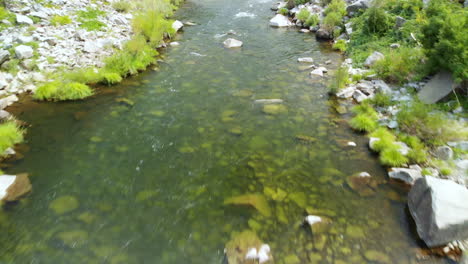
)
(232, 43)
(280, 21)
(24, 52)
(177, 25)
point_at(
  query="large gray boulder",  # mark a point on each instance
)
(440, 210)
(373, 58)
(437, 88)
(323, 34)
(280, 21)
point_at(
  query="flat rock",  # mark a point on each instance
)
(13, 187)
(232, 43)
(21, 19)
(359, 96)
(408, 176)
(381, 87)
(280, 21)
(440, 210)
(24, 52)
(346, 92)
(437, 88)
(177, 25)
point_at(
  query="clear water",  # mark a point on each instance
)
(151, 178)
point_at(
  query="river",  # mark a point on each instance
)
(139, 172)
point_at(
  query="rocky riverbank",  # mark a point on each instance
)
(60, 47)
(419, 145)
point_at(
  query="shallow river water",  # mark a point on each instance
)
(140, 172)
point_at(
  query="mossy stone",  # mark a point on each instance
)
(257, 201)
(274, 109)
(64, 204)
(228, 115)
(292, 259)
(355, 232)
(87, 217)
(362, 183)
(145, 195)
(73, 239)
(377, 256)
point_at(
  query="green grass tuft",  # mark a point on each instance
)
(10, 134)
(312, 20)
(122, 6)
(60, 20)
(58, 91)
(381, 99)
(363, 122)
(303, 15)
(387, 139)
(392, 157)
(283, 11)
(340, 45)
(340, 80)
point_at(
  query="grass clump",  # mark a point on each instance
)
(340, 45)
(303, 15)
(387, 139)
(312, 20)
(445, 171)
(153, 26)
(60, 20)
(59, 91)
(122, 6)
(340, 80)
(381, 99)
(89, 19)
(418, 151)
(363, 123)
(392, 157)
(10, 134)
(283, 11)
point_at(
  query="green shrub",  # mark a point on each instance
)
(400, 65)
(332, 20)
(445, 171)
(377, 21)
(312, 20)
(381, 99)
(60, 20)
(364, 123)
(445, 37)
(303, 15)
(10, 134)
(387, 139)
(392, 157)
(340, 45)
(283, 11)
(338, 6)
(110, 78)
(153, 26)
(122, 6)
(366, 109)
(340, 80)
(432, 127)
(59, 91)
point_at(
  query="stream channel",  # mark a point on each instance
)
(139, 173)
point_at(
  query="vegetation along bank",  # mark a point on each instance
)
(59, 50)
(405, 83)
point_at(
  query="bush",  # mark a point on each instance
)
(340, 80)
(364, 123)
(445, 37)
(122, 6)
(392, 157)
(59, 91)
(432, 127)
(377, 21)
(10, 134)
(338, 6)
(381, 99)
(312, 20)
(332, 20)
(340, 45)
(60, 20)
(400, 65)
(283, 11)
(303, 15)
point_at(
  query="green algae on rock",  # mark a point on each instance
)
(240, 245)
(274, 109)
(64, 204)
(257, 201)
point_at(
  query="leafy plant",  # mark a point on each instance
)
(392, 157)
(10, 134)
(283, 11)
(387, 139)
(312, 20)
(89, 19)
(153, 26)
(381, 99)
(340, 45)
(60, 20)
(303, 15)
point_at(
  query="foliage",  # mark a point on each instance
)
(110, 78)
(377, 21)
(60, 91)
(381, 99)
(60, 20)
(363, 122)
(86, 75)
(283, 11)
(418, 152)
(340, 45)
(312, 20)
(338, 6)
(400, 65)
(366, 109)
(303, 15)
(89, 19)
(445, 37)
(392, 157)
(300, 2)
(152, 25)
(445, 171)
(10, 134)
(432, 127)
(332, 20)
(387, 139)
(122, 6)
(340, 80)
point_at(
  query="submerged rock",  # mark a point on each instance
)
(257, 201)
(362, 183)
(247, 248)
(306, 60)
(440, 210)
(274, 109)
(73, 239)
(280, 21)
(377, 257)
(13, 187)
(318, 224)
(232, 43)
(64, 204)
(268, 101)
